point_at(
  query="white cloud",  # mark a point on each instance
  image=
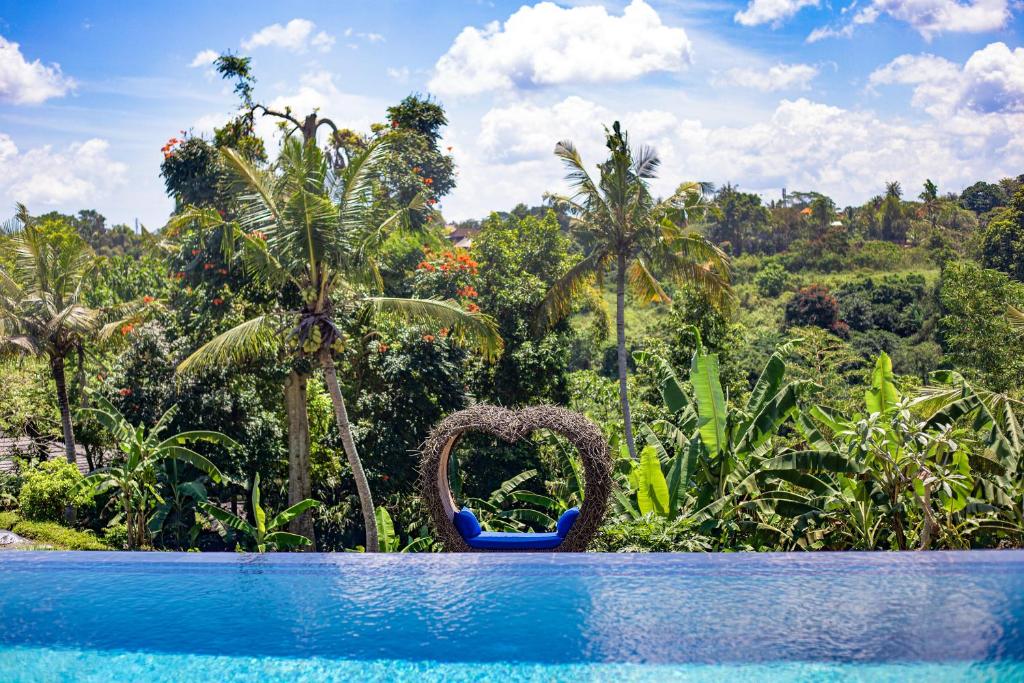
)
(204, 58)
(400, 74)
(297, 36)
(546, 45)
(928, 17)
(772, 12)
(778, 77)
(24, 82)
(801, 144)
(66, 178)
(990, 81)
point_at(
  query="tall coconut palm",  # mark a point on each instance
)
(627, 228)
(305, 226)
(42, 312)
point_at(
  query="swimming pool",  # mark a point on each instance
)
(806, 617)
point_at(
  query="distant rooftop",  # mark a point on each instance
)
(12, 448)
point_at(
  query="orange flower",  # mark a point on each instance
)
(125, 392)
(148, 299)
(472, 307)
(126, 329)
(382, 348)
(443, 332)
(428, 338)
(428, 181)
(218, 301)
(195, 252)
(207, 266)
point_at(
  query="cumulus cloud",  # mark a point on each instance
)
(778, 77)
(47, 177)
(546, 45)
(928, 17)
(298, 35)
(773, 12)
(990, 81)
(801, 144)
(24, 82)
(204, 58)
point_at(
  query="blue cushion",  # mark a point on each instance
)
(465, 522)
(566, 521)
(495, 540)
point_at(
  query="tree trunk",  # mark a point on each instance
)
(299, 485)
(57, 368)
(620, 338)
(341, 415)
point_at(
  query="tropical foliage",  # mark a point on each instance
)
(813, 376)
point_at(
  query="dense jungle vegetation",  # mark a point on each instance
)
(260, 372)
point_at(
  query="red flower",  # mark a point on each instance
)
(207, 266)
(195, 252)
(382, 348)
(218, 301)
(125, 392)
(384, 477)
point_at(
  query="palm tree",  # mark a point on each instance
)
(305, 226)
(134, 477)
(637, 234)
(42, 312)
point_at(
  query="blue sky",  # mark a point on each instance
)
(803, 94)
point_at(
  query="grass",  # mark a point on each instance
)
(51, 534)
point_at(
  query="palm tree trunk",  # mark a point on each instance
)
(341, 416)
(299, 485)
(620, 338)
(57, 368)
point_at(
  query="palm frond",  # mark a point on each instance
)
(563, 292)
(1015, 316)
(644, 284)
(253, 338)
(474, 329)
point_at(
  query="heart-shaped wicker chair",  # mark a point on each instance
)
(512, 425)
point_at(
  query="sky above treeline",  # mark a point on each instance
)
(837, 97)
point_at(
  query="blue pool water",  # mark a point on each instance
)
(793, 617)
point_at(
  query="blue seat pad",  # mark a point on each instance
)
(495, 540)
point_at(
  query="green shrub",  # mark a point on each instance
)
(52, 534)
(651, 535)
(772, 280)
(8, 520)
(47, 489)
(116, 536)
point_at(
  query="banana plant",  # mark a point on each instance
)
(265, 534)
(902, 468)
(134, 476)
(391, 542)
(707, 448)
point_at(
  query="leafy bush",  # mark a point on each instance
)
(116, 536)
(892, 303)
(48, 488)
(772, 280)
(651, 535)
(50, 533)
(814, 306)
